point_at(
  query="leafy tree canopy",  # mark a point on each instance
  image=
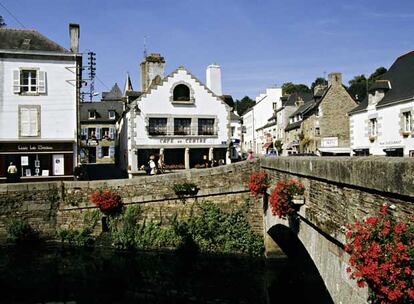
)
(318, 81)
(289, 88)
(359, 84)
(242, 105)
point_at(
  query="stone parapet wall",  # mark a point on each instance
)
(341, 190)
(54, 205)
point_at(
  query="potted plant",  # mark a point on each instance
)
(259, 182)
(107, 201)
(286, 198)
(182, 189)
(381, 256)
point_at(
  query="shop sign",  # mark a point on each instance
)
(391, 142)
(329, 142)
(192, 140)
(35, 147)
(92, 143)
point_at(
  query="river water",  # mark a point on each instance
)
(69, 275)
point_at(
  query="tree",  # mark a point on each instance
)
(318, 81)
(358, 85)
(290, 87)
(242, 105)
(377, 74)
(2, 23)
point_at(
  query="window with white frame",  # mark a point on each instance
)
(157, 126)
(206, 126)
(112, 114)
(92, 114)
(373, 128)
(182, 126)
(29, 121)
(105, 151)
(29, 81)
(407, 121)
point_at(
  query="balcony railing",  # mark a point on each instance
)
(171, 131)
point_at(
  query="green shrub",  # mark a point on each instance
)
(19, 231)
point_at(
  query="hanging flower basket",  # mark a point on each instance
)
(108, 202)
(287, 198)
(259, 182)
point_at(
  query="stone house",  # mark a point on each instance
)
(39, 97)
(383, 123)
(99, 138)
(321, 124)
(177, 118)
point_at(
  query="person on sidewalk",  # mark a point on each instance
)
(12, 173)
(250, 155)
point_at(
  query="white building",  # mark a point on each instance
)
(257, 117)
(236, 136)
(177, 117)
(39, 85)
(383, 123)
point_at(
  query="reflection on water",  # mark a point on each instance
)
(48, 275)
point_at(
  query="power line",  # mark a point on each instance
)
(11, 14)
(102, 82)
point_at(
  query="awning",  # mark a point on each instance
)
(335, 150)
(267, 145)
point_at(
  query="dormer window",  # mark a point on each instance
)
(92, 114)
(111, 114)
(181, 93)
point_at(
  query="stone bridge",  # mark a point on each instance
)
(338, 191)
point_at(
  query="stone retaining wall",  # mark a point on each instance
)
(53, 205)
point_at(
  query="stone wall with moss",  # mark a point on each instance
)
(49, 207)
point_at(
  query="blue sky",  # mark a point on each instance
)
(257, 43)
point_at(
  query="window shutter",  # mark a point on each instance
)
(24, 122)
(82, 154)
(84, 133)
(98, 133)
(99, 152)
(112, 133)
(111, 151)
(16, 81)
(34, 126)
(41, 86)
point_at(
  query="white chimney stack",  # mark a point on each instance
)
(213, 79)
(74, 33)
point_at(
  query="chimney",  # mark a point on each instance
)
(74, 33)
(151, 68)
(213, 79)
(335, 79)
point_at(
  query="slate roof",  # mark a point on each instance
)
(114, 94)
(27, 40)
(101, 108)
(401, 77)
(228, 99)
(234, 116)
(294, 125)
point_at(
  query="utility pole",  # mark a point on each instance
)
(91, 67)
